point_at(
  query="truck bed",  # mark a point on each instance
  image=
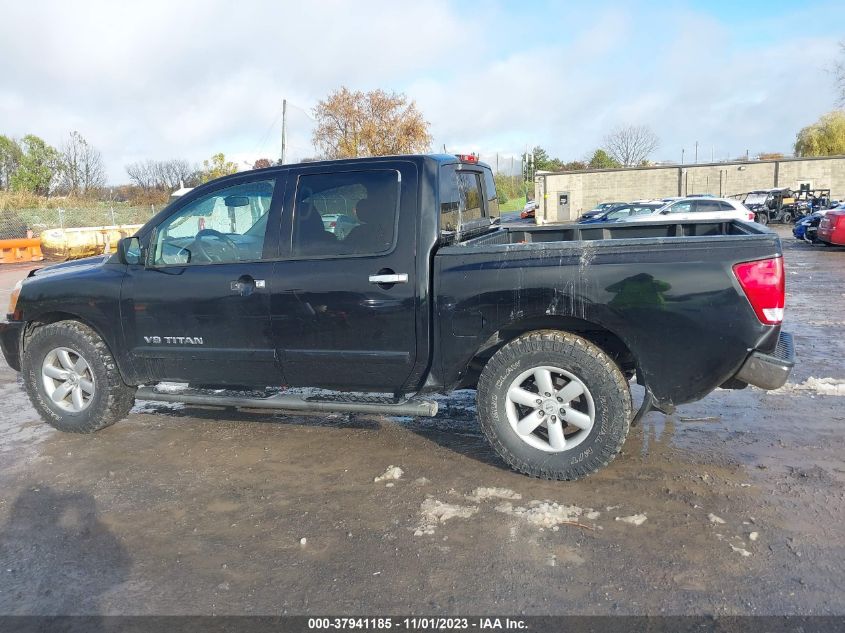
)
(661, 297)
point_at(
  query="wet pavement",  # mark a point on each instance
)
(191, 510)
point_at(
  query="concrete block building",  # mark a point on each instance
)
(563, 196)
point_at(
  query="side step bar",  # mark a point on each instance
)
(295, 402)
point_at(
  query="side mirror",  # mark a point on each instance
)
(129, 251)
(664, 212)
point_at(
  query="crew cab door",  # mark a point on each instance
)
(198, 310)
(345, 300)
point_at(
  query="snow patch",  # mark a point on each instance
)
(392, 472)
(547, 514)
(822, 386)
(483, 494)
(716, 520)
(634, 519)
(754, 536)
(740, 550)
(434, 512)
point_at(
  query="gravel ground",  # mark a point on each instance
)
(733, 505)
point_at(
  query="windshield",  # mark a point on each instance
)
(756, 198)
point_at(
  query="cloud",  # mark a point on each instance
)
(159, 79)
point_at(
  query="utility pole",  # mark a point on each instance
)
(682, 156)
(696, 152)
(284, 128)
(712, 152)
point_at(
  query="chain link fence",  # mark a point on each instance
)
(20, 223)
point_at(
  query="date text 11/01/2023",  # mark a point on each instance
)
(417, 623)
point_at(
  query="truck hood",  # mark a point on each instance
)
(76, 265)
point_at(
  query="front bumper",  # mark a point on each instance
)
(769, 371)
(10, 342)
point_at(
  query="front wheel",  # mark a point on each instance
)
(72, 380)
(553, 405)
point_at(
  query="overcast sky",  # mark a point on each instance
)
(187, 79)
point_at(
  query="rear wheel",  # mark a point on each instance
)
(762, 218)
(72, 379)
(553, 405)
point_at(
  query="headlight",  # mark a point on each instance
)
(13, 299)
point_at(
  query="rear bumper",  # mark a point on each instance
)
(10, 342)
(769, 371)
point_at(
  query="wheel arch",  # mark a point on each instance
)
(55, 316)
(608, 341)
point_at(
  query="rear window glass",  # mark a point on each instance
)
(345, 213)
(461, 198)
(492, 199)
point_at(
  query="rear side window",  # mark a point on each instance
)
(724, 206)
(345, 213)
(708, 206)
(461, 199)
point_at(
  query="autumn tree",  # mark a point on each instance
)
(631, 145)
(38, 167)
(10, 158)
(82, 169)
(262, 163)
(216, 167)
(377, 123)
(825, 137)
(769, 156)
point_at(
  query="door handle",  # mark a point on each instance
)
(394, 278)
(245, 285)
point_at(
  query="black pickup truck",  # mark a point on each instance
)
(378, 281)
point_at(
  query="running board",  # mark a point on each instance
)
(295, 402)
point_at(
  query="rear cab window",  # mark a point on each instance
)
(464, 207)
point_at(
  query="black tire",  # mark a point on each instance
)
(112, 398)
(762, 218)
(592, 367)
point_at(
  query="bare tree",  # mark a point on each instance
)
(839, 75)
(161, 175)
(82, 168)
(630, 145)
(142, 174)
(377, 123)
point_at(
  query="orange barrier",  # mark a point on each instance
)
(20, 250)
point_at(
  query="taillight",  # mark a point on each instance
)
(332, 225)
(764, 284)
(750, 216)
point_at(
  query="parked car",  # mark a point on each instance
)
(832, 227)
(602, 207)
(623, 212)
(700, 209)
(429, 294)
(807, 228)
(529, 210)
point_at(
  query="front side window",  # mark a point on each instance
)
(227, 225)
(681, 207)
(345, 213)
(618, 214)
